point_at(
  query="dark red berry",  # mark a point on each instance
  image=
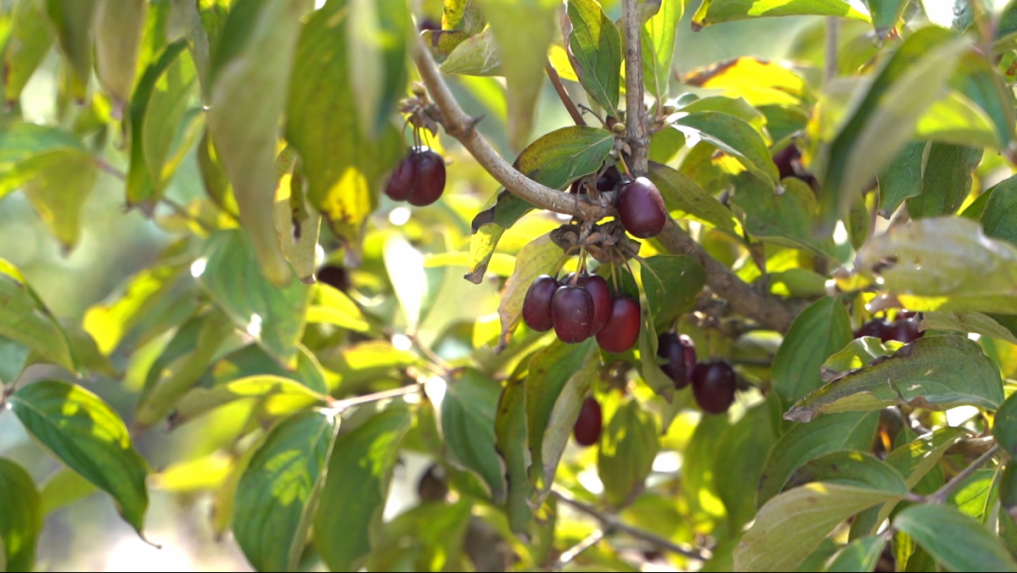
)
(430, 183)
(876, 327)
(670, 349)
(572, 314)
(622, 329)
(905, 331)
(713, 384)
(537, 303)
(428, 24)
(588, 425)
(335, 277)
(641, 208)
(784, 160)
(577, 187)
(905, 315)
(404, 178)
(689, 354)
(609, 179)
(601, 293)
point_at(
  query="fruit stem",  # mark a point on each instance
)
(625, 166)
(563, 94)
(561, 262)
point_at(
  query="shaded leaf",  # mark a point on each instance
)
(794, 523)
(342, 164)
(594, 48)
(852, 431)
(999, 218)
(817, 333)
(855, 355)
(27, 150)
(902, 178)
(64, 488)
(858, 469)
(972, 322)
(248, 74)
(72, 22)
(21, 518)
(738, 465)
(475, 56)
(468, 426)
(628, 445)
(356, 487)
(378, 33)
(119, 25)
(30, 40)
(462, 15)
(26, 320)
(786, 218)
(296, 226)
(860, 555)
(658, 41)
(649, 369)
(682, 194)
(957, 541)
(1004, 427)
(735, 137)
(273, 316)
(946, 180)
(86, 434)
(276, 494)
(510, 426)
(671, 284)
(937, 372)
(59, 191)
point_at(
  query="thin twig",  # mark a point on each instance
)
(612, 522)
(345, 404)
(830, 63)
(106, 167)
(428, 353)
(745, 300)
(574, 551)
(563, 94)
(945, 491)
(463, 127)
(635, 107)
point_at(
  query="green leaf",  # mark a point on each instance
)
(972, 322)
(28, 150)
(356, 487)
(955, 540)
(468, 426)
(791, 525)
(858, 469)
(21, 519)
(443, 42)
(902, 178)
(658, 40)
(817, 333)
(999, 218)
(30, 40)
(378, 33)
(564, 155)
(717, 11)
(248, 75)
(364, 363)
(343, 165)
(628, 445)
(559, 378)
(462, 15)
(594, 47)
(535, 259)
(477, 55)
(528, 44)
(946, 181)
(273, 316)
(978, 81)
(682, 194)
(297, 226)
(510, 427)
(856, 354)
(277, 396)
(860, 555)
(976, 495)
(1004, 427)
(946, 257)
(27, 321)
(64, 488)
(72, 21)
(735, 137)
(428, 537)
(785, 219)
(277, 492)
(671, 284)
(86, 434)
(157, 109)
(415, 286)
(935, 372)
(330, 305)
(884, 119)
(59, 191)
(804, 442)
(738, 463)
(119, 26)
(1008, 489)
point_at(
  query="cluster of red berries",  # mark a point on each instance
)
(580, 306)
(713, 382)
(419, 179)
(903, 329)
(639, 203)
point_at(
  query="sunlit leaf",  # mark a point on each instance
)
(86, 434)
(59, 193)
(119, 25)
(72, 22)
(735, 137)
(819, 331)
(658, 40)
(378, 32)
(21, 519)
(279, 396)
(859, 555)
(31, 39)
(278, 490)
(594, 48)
(717, 11)
(26, 320)
(682, 194)
(953, 539)
(973, 322)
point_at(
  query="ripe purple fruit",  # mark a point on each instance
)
(689, 354)
(335, 277)
(609, 180)
(641, 208)
(404, 178)
(905, 331)
(601, 293)
(572, 314)
(680, 352)
(622, 329)
(713, 384)
(588, 425)
(537, 303)
(430, 182)
(876, 327)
